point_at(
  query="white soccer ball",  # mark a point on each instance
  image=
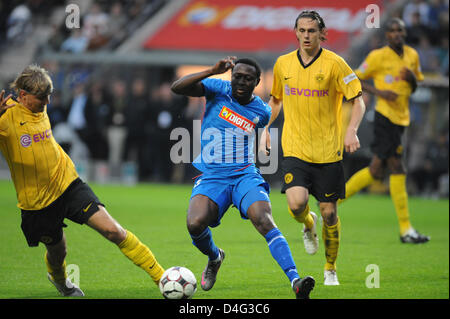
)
(178, 283)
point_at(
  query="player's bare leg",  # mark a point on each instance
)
(127, 242)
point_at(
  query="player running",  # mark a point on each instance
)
(230, 176)
(395, 70)
(48, 187)
(310, 84)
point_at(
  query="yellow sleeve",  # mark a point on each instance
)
(346, 80)
(417, 70)
(368, 66)
(277, 89)
(4, 123)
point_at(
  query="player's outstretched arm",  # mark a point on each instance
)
(384, 94)
(3, 105)
(351, 141)
(264, 143)
(190, 84)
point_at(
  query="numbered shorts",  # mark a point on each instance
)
(325, 182)
(78, 203)
(240, 191)
(387, 140)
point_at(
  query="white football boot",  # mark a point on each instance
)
(330, 278)
(67, 290)
(310, 238)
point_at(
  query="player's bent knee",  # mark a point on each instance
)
(196, 224)
(298, 208)
(396, 166)
(377, 171)
(115, 234)
(260, 214)
(329, 216)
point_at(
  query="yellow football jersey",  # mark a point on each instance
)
(40, 169)
(312, 98)
(383, 66)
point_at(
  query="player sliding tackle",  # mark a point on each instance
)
(232, 107)
(48, 187)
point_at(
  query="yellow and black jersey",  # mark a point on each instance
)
(40, 169)
(312, 98)
(383, 66)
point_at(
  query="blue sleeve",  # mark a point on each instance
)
(213, 87)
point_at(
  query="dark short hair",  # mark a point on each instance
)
(252, 62)
(314, 15)
(392, 21)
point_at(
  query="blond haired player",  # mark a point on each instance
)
(310, 83)
(48, 187)
(395, 70)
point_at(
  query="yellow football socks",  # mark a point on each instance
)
(58, 273)
(331, 236)
(397, 188)
(357, 182)
(304, 217)
(141, 256)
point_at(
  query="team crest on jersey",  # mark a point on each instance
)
(25, 140)
(288, 178)
(236, 119)
(388, 79)
(320, 77)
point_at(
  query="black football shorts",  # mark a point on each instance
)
(387, 140)
(78, 203)
(325, 182)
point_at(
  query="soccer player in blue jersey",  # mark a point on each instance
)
(230, 176)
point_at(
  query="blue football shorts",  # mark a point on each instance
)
(240, 191)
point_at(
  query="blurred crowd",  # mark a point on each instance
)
(16, 17)
(427, 25)
(124, 117)
(116, 120)
(104, 24)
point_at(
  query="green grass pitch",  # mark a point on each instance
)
(157, 215)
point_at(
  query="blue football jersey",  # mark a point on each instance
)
(228, 130)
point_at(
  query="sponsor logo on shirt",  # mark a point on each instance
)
(389, 79)
(304, 92)
(26, 139)
(236, 119)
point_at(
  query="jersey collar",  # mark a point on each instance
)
(312, 61)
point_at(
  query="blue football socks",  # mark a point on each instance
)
(281, 252)
(205, 244)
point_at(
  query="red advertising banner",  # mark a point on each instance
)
(257, 25)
